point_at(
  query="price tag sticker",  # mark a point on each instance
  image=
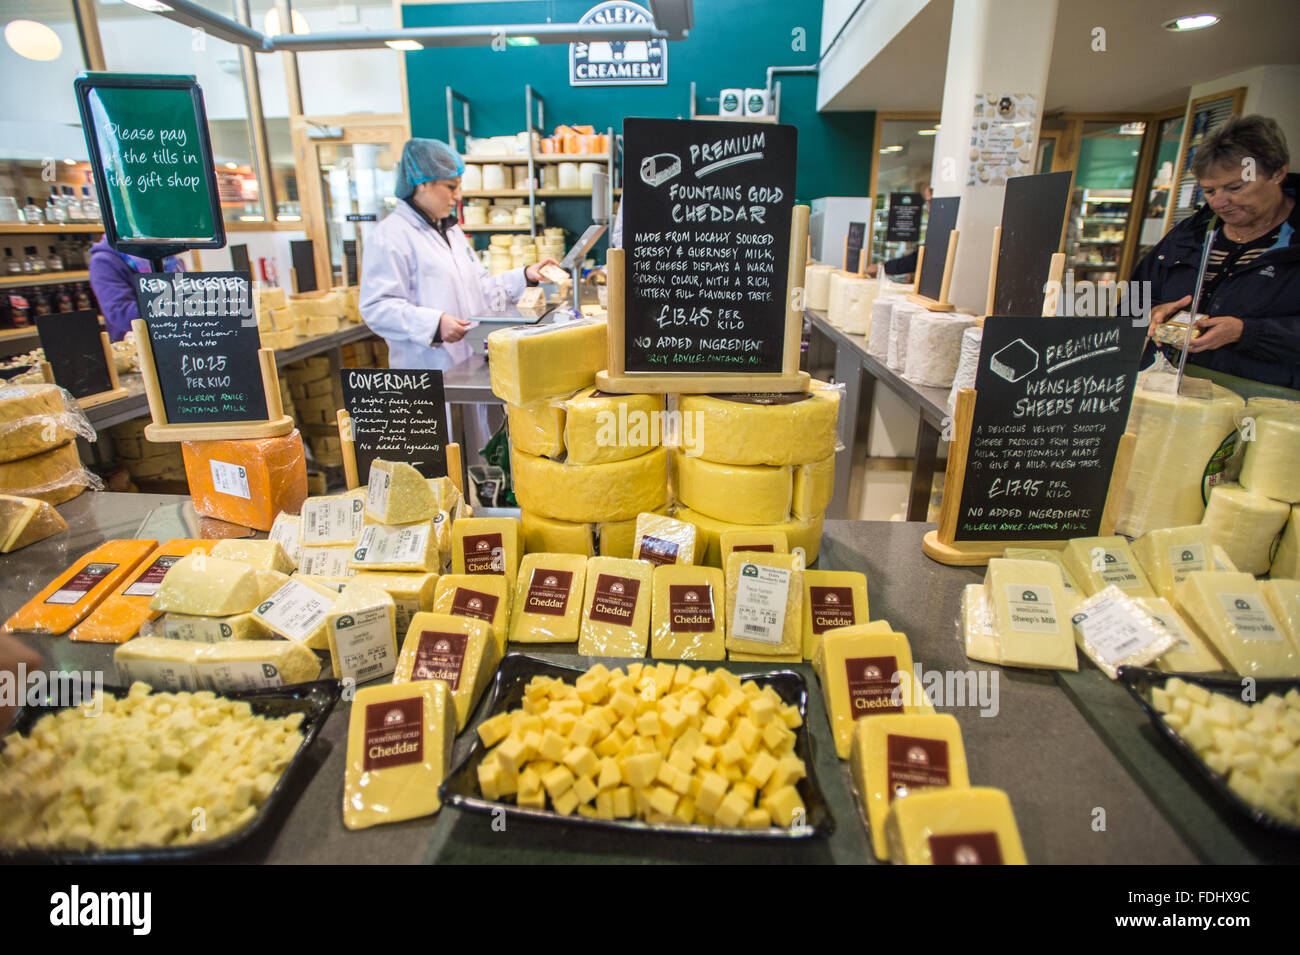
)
(230, 479)
(761, 597)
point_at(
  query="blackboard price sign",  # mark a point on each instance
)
(397, 414)
(940, 248)
(78, 356)
(905, 210)
(853, 246)
(1033, 222)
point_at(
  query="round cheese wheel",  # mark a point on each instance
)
(771, 429)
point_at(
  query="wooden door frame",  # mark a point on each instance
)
(881, 118)
(1238, 95)
(1142, 188)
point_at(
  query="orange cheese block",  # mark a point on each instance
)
(121, 614)
(72, 595)
(247, 482)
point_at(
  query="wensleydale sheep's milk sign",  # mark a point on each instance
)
(618, 62)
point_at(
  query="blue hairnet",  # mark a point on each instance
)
(424, 160)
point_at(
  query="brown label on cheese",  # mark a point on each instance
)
(765, 548)
(615, 599)
(966, 848)
(548, 592)
(871, 685)
(831, 607)
(473, 603)
(440, 656)
(690, 608)
(82, 583)
(915, 762)
(484, 554)
(657, 550)
(146, 583)
(776, 398)
(394, 734)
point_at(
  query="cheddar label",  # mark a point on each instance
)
(484, 554)
(690, 608)
(614, 600)
(871, 685)
(146, 584)
(914, 763)
(548, 592)
(657, 550)
(82, 583)
(440, 656)
(831, 607)
(394, 734)
(967, 848)
(473, 603)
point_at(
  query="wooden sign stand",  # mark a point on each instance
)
(616, 380)
(277, 423)
(942, 305)
(1052, 291)
(455, 467)
(90, 401)
(860, 269)
(940, 544)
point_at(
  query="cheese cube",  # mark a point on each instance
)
(814, 486)
(208, 586)
(483, 597)
(767, 542)
(688, 613)
(537, 427)
(1031, 614)
(663, 540)
(980, 638)
(336, 519)
(765, 603)
(616, 608)
(121, 614)
(1099, 562)
(1169, 554)
(486, 545)
(200, 629)
(411, 593)
(298, 611)
(544, 535)
(1230, 610)
(398, 494)
(412, 548)
(399, 750)
(361, 631)
(1190, 653)
(831, 599)
(547, 606)
(600, 428)
(954, 827)
(740, 494)
(1283, 598)
(247, 481)
(459, 651)
(530, 363)
(26, 520)
(266, 554)
(863, 674)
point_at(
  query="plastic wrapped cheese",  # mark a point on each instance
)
(1031, 614)
(1052, 557)
(1230, 610)
(900, 323)
(1116, 630)
(1271, 465)
(954, 826)
(124, 611)
(769, 542)
(616, 608)
(1283, 598)
(26, 520)
(533, 362)
(267, 554)
(1286, 558)
(864, 671)
(410, 548)
(459, 651)
(547, 606)
(208, 586)
(484, 597)
(617, 491)
(882, 317)
(326, 561)
(247, 481)
(53, 476)
(600, 428)
(38, 417)
(849, 306)
(1169, 554)
(814, 486)
(832, 599)
(968, 360)
(537, 427)
(934, 348)
(195, 628)
(487, 545)
(361, 628)
(736, 493)
(72, 595)
(1190, 653)
(689, 612)
(546, 535)
(664, 540)
(805, 535)
(221, 667)
(817, 286)
(978, 634)
(299, 611)
(1246, 524)
(411, 593)
(764, 602)
(1098, 562)
(774, 429)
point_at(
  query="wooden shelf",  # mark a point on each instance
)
(572, 157)
(495, 228)
(562, 193)
(9, 334)
(26, 228)
(43, 278)
(494, 193)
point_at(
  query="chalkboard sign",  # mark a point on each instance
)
(152, 161)
(707, 232)
(74, 349)
(304, 264)
(398, 414)
(1052, 400)
(1033, 219)
(204, 339)
(853, 245)
(943, 219)
(350, 271)
(905, 210)
(239, 259)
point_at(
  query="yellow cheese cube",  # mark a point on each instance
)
(1231, 612)
(831, 599)
(616, 608)
(1031, 614)
(1098, 562)
(398, 494)
(361, 631)
(1169, 554)
(459, 651)
(663, 540)
(411, 593)
(954, 827)
(786, 807)
(863, 674)
(483, 597)
(640, 771)
(494, 729)
(548, 598)
(544, 535)
(765, 603)
(486, 545)
(689, 610)
(732, 809)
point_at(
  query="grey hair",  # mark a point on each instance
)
(1245, 137)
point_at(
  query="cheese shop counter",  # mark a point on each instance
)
(1032, 741)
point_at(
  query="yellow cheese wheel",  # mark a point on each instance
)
(618, 491)
(772, 429)
(708, 549)
(737, 493)
(33, 418)
(600, 427)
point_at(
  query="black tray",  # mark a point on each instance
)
(460, 789)
(1140, 681)
(314, 700)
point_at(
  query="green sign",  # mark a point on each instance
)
(152, 159)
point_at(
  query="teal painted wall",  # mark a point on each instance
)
(732, 44)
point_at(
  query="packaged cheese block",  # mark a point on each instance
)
(209, 586)
(688, 613)
(121, 614)
(26, 520)
(362, 633)
(70, 597)
(399, 494)
(266, 554)
(954, 827)
(483, 597)
(37, 417)
(336, 519)
(895, 756)
(1283, 598)
(615, 538)
(194, 628)
(1098, 562)
(403, 547)
(618, 491)
(53, 476)
(864, 672)
(326, 561)
(537, 427)
(774, 429)
(411, 593)
(458, 651)
(487, 545)
(801, 535)
(664, 540)
(173, 665)
(448, 495)
(739, 494)
(600, 428)
(1189, 654)
(335, 584)
(814, 486)
(285, 530)
(544, 535)
(616, 608)
(547, 606)
(1052, 557)
(1245, 524)
(1031, 614)
(1231, 612)
(1269, 466)
(298, 611)
(249, 481)
(765, 603)
(535, 362)
(739, 657)
(980, 639)
(1286, 559)
(1169, 554)
(831, 599)
(399, 751)
(1115, 630)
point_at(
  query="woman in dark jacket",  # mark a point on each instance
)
(1251, 295)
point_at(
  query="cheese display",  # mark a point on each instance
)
(456, 650)
(547, 606)
(1269, 465)
(1116, 630)
(266, 554)
(1052, 557)
(878, 330)
(1231, 612)
(1286, 559)
(545, 535)
(534, 362)
(900, 325)
(70, 597)
(978, 636)
(200, 629)
(120, 615)
(801, 534)
(298, 611)
(616, 608)
(865, 671)
(767, 542)
(618, 491)
(764, 603)
(895, 756)
(537, 427)
(398, 494)
(849, 302)
(326, 561)
(1283, 598)
(817, 286)
(968, 360)
(360, 626)
(814, 486)
(832, 599)
(247, 482)
(53, 476)
(954, 826)
(1099, 562)
(738, 494)
(405, 547)
(38, 417)
(1189, 654)
(689, 613)
(1031, 614)
(934, 348)
(399, 751)
(1169, 554)
(600, 428)
(411, 593)
(1245, 525)
(220, 667)
(664, 540)
(287, 532)
(26, 520)
(773, 429)
(615, 538)
(483, 597)
(331, 520)
(208, 586)
(486, 545)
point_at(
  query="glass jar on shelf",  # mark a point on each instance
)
(33, 264)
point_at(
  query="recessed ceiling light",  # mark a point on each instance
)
(232, 165)
(1196, 21)
(33, 40)
(891, 149)
(927, 132)
(404, 45)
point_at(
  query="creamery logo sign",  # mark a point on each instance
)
(618, 62)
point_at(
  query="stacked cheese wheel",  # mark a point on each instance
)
(39, 425)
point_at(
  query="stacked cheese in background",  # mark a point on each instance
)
(143, 459)
(276, 324)
(39, 426)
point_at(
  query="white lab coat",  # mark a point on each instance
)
(410, 276)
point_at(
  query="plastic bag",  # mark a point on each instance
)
(38, 417)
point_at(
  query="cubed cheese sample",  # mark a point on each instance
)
(663, 540)
(1190, 653)
(765, 603)
(247, 481)
(398, 494)
(332, 521)
(411, 593)
(1169, 554)
(814, 486)
(547, 606)
(1031, 614)
(298, 612)
(285, 530)
(483, 597)
(52, 476)
(26, 520)
(527, 364)
(399, 750)
(740, 494)
(1231, 612)
(208, 586)
(70, 597)
(120, 615)
(688, 613)
(1099, 562)
(537, 427)
(954, 827)
(326, 561)
(616, 608)
(544, 535)
(459, 651)
(768, 429)
(1283, 598)
(600, 428)
(583, 493)
(857, 672)
(487, 545)
(360, 626)
(767, 542)
(801, 535)
(195, 628)
(896, 756)
(266, 554)
(831, 599)
(412, 548)
(1050, 556)
(978, 635)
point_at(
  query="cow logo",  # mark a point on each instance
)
(965, 855)
(618, 62)
(871, 673)
(832, 598)
(394, 717)
(692, 596)
(917, 756)
(616, 588)
(1029, 596)
(482, 546)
